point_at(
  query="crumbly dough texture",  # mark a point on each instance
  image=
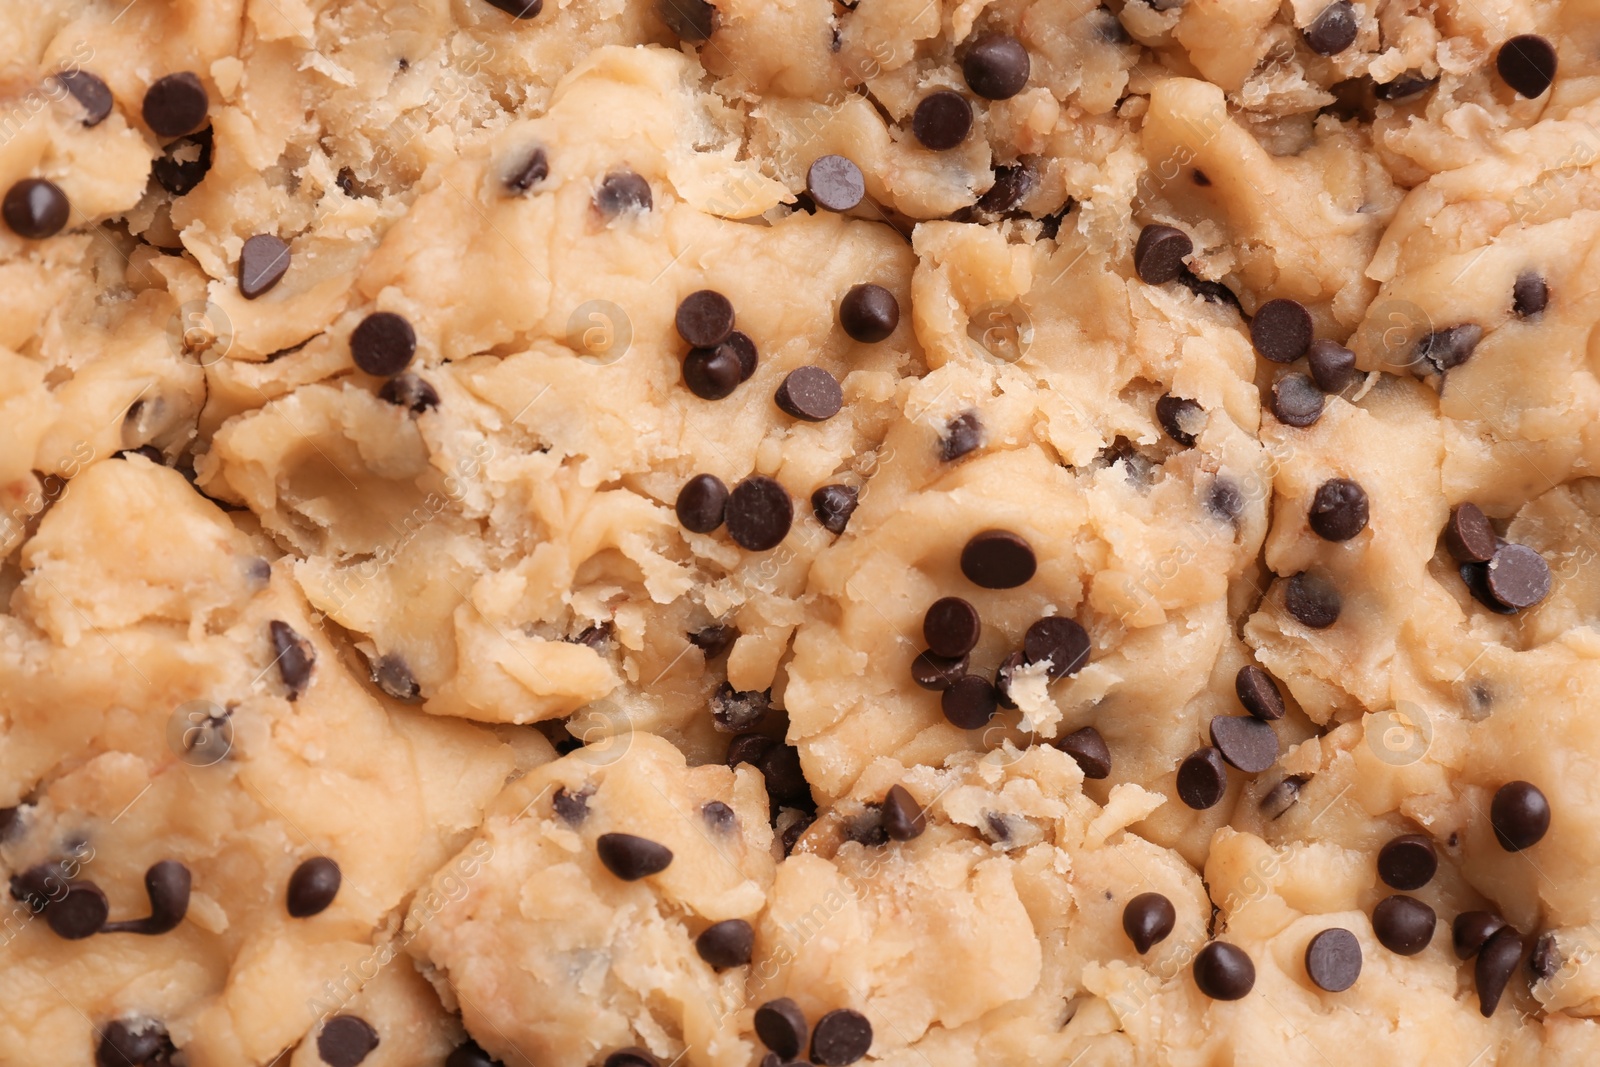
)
(181, 468)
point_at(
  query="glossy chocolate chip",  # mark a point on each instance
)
(1520, 815)
(759, 513)
(1281, 330)
(1333, 366)
(1245, 741)
(689, 20)
(294, 655)
(1159, 253)
(1403, 925)
(1471, 929)
(810, 394)
(726, 944)
(785, 778)
(167, 886)
(903, 817)
(841, 1037)
(1339, 510)
(1527, 63)
(383, 344)
(781, 1026)
(1180, 418)
(962, 434)
(622, 191)
(1333, 960)
(1223, 971)
(79, 913)
(632, 1056)
(942, 120)
(704, 318)
(263, 261)
(312, 887)
(1334, 29)
(408, 391)
(1258, 693)
(470, 1054)
(869, 313)
(534, 169)
(1469, 536)
(390, 674)
(1476, 578)
(1059, 640)
(1147, 919)
(133, 1044)
(835, 183)
(1407, 862)
(1202, 779)
(712, 373)
(1530, 294)
(937, 672)
(183, 163)
(1011, 186)
(951, 627)
(701, 503)
(35, 208)
(1517, 576)
(346, 1040)
(744, 350)
(996, 66)
(969, 702)
(1444, 349)
(88, 90)
(175, 105)
(630, 857)
(998, 559)
(1089, 751)
(1312, 600)
(1496, 963)
(833, 505)
(571, 808)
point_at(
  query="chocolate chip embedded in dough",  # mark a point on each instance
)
(1334, 29)
(1147, 919)
(166, 884)
(1174, 413)
(1281, 330)
(712, 373)
(701, 503)
(1408, 862)
(744, 350)
(294, 655)
(691, 20)
(35, 208)
(714, 640)
(383, 344)
(1527, 63)
(263, 261)
(785, 778)
(734, 710)
(1283, 796)
(1012, 184)
(1312, 600)
(312, 887)
(1333, 960)
(726, 944)
(1339, 510)
(1406, 87)
(833, 505)
(1469, 536)
(1530, 294)
(390, 674)
(719, 816)
(1159, 253)
(346, 1040)
(518, 9)
(1245, 741)
(998, 559)
(935, 672)
(470, 1054)
(996, 66)
(175, 171)
(759, 513)
(1333, 366)
(704, 318)
(79, 913)
(951, 627)
(1223, 971)
(132, 1042)
(1202, 779)
(810, 394)
(1060, 640)
(1520, 816)
(572, 808)
(1258, 693)
(633, 1056)
(748, 748)
(1471, 929)
(631, 857)
(175, 105)
(1445, 349)
(942, 120)
(969, 703)
(534, 169)
(1089, 751)
(1497, 962)
(88, 90)
(409, 391)
(621, 192)
(962, 434)
(1003, 675)
(903, 817)
(869, 313)
(835, 183)
(781, 1026)
(1403, 925)
(1518, 576)
(1545, 959)
(841, 1037)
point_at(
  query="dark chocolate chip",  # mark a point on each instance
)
(80, 913)
(1002, 677)
(1405, 87)
(734, 711)
(744, 350)
(1408, 862)
(1209, 291)
(996, 66)
(632, 1056)
(998, 559)
(970, 702)
(518, 9)
(133, 1044)
(390, 674)
(1469, 536)
(1441, 350)
(312, 887)
(841, 1037)
(1225, 499)
(1520, 815)
(785, 778)
(470, 1054)
(1312, 600)
(1281, 330)
(833, 505)
(1471, 929)
(781, 1026)
(1333, 960)
(167, 884)
(10, 822)
(1258, 693)
(1530, 294)
(1497, 962)
(714, 640)
(595, 637)
(759, 513)
(1223, 971)
(630, 857)
(962, 434)
(1202, 779)
(1176, 412)
(1061, 641)
(1338, 510)
(937, 672)
(1518, 577)
(712, 373)
(951, 627)
(704, 318)
(1159, 253)
(1088, 749)
(1245, 741)
(903, 817)
(701, 503)
(835, 183)
(346, 1040)
(1476, 578)
(867, 827)
(1545, 959)
(942, 120)
(533, 171)
(719, 816)
(810, 394)
(1333, 366)
(88, 90)
(1011, 186)
(571, 808)
(869, 313)
(1147, 919)
(263, 261)
(383, 344)
(1283, 796)
(1527, 63)
(690, 20)
(1403, 925)
(748, 748)
(726, 944)
(622, 191)
(408, 391)
(294, 655)
(35, 208)
(175, 171)
(175, 105)
(1330, 33)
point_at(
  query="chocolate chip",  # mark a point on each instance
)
(1209, 291)
(1002, 677)
(622, 191)
(470, 1054)
(1520, 815)
(1441, 350)
(719, 816)
(1283, 796)
(1476, 578)
(263, 261)
(996, 66)
(733, 710)
(35, 209)
(1471, 929)
(1527, 63)
(1059, 640)
(712, 373)
(748, 748)
(139, 1044)
(690, 20)
(1518, 577)
(630, 857)
(841, 1037)
(1333, 960)
(1225, 499)
(951, 627)
(701, 503)
(1330, 33)
(937, 672)
(175, 105)
(78, 914)
(88, 90)
(810, 394)
(1011, 186)
(1403, 925)
(183, 163)
(759, 513)
(1246, 742)
(518, 9)
(1223, 971)
(1159, 253)
(294, 655)
(1406, 86)
(312, 887)
(714, 640)
(383, 344)
(744, 350)
(869, 313)
(1338, 510)
(1312, 600)
(633, 1056)
(781, 1026)
(726, 944)
(1333, 366)
(1202, 779)
(704, 318)
(1497, 962)
(785, 778)
(1545, 959)
(571, 808)
(10, 822)
(998, 559)
(835, 183)
(1147, 919)
(833, 505)
(903, 817)
(970, 702)
(346, 1040)
(1088, 749)
(1281, 330)
(39, 885)
(533, 171)
(390, 674)
(942, 120)
(409, 391)
(962, 434)
(1258, 693)
(1530, 294)
(1407, 862)
(167, 885)
(1176, 412)
(1469, 536)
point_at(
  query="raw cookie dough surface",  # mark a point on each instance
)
(430, 639)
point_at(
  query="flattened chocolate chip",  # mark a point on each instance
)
(1333, 960)
(785, 778)
(962, 434)
(996, 66)
(88, 90)
(1471, 929)
(810, 394)
(704, 318)
(535, 169)
(942, 120)
(759, 513)
(1312, 600)
(690, 20)
(1147, 919)
(869, 313)
(998, 559)
(139, 1043)
(1441, 350)
(712, 373)
(841, 1037)
(1530, 294)
(748, 748)
(744, 350)
(714, 640)
(1527, 63)
(622, 191)
(1011, 186)
(263, 261)
(1002, 678)
(1202, 779)
(1258, 693)
(937, 672)
(903, 817)
(1518, 577)
(1469, 536)
(835, 183)
(1175, 413)
(1281, 330)
(1089, 751)
(167, 885)
(1332, 31)
(312, 887)
(175, 105)
(1245, 741)
(1223, 971)
(80, 913)
(294, 655)
(571, 808)
(1407, 86)
(970, 702)
(734, 710)
(1520, 815)
(701, 503)
(951, 627)
(633, 1056)
(719, 816)
(1408, 862)
(1283, 796)
(35, 209)
(1333, 366)
(1338, 510)
(346, 1040)
(1545, 959)
(183, 163)
(409, 391)
(383, 344)
(781, 1026)
(1159, 253)
(518, 9)
(1497, 962)
(1061, 641)
(631, 857)
(1403, 925)
(833, 505)
(470, 1054)
(726, 944)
